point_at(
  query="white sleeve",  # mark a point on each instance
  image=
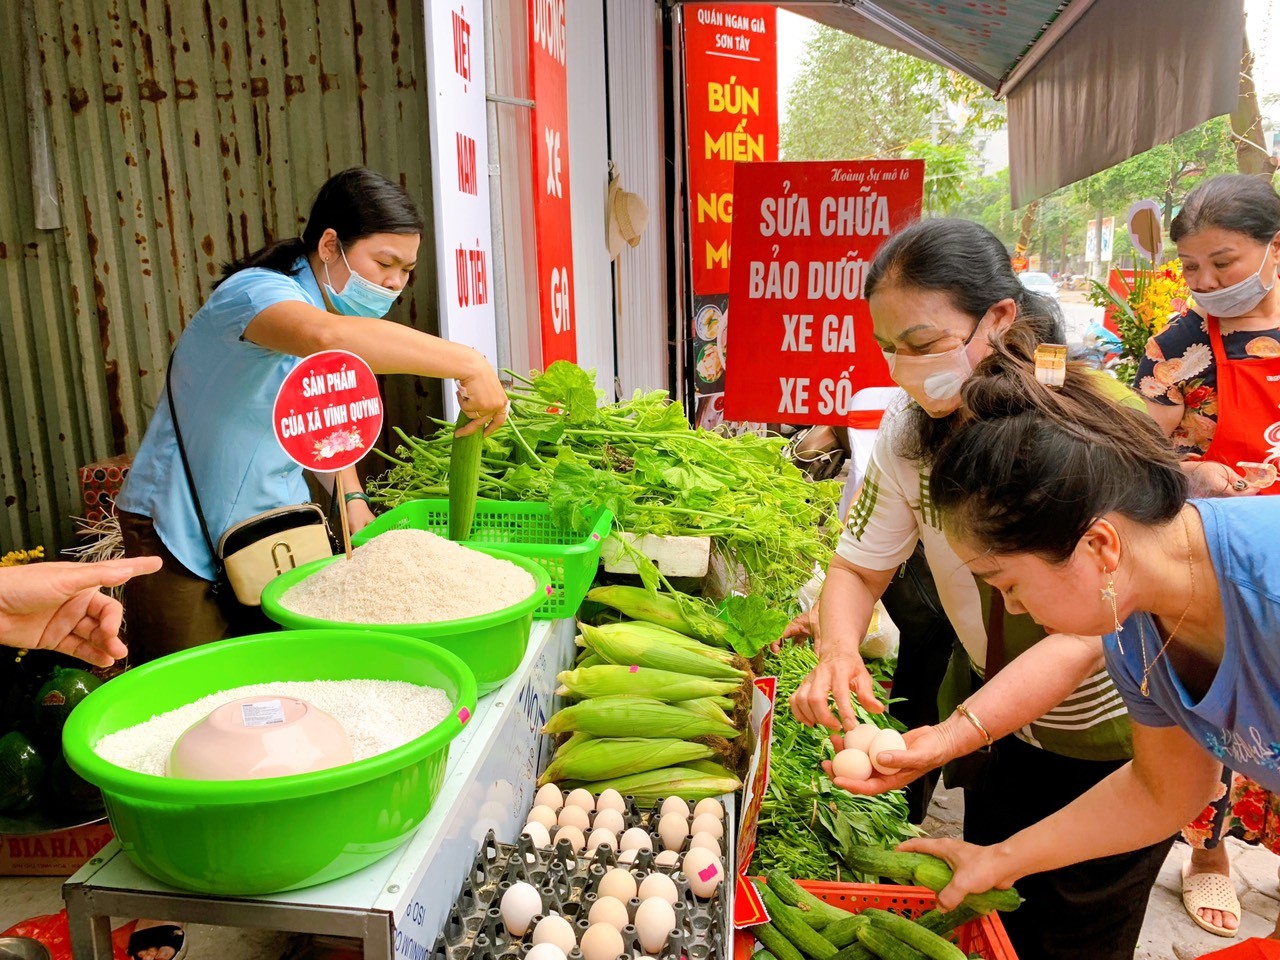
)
(881, 531)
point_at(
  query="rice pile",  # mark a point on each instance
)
(409, 576)
(378, 715)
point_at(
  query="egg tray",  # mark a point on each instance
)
(567, 881)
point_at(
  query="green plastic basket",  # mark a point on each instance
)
(570, 556)
(247, 837)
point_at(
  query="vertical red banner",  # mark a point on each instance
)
(731, 116)
(553, 229)
(804, 236)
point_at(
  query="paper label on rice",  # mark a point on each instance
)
(262, 714)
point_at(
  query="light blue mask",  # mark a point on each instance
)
(359, 297)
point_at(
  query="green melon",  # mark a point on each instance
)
(21, 773)
(54, 702)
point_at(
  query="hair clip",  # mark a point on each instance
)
(1051, 364)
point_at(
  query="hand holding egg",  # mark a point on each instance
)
(888, 761)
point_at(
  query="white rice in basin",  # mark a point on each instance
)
(378, 715)
(409, 576)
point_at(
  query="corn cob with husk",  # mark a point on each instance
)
(687, 618)
(655, 633)
(683, 781)
(625, 647)
(642, 717)
(605, 759)
(612, 680)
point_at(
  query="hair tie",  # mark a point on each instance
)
(1051, 364)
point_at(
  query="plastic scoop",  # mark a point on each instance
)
(1258, 475)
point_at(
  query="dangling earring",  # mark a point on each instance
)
(1109, 596)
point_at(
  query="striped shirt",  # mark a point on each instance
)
(893, 513)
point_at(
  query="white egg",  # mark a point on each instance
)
(667, 858)
(546, 951)
(520, 904)
(619, 884)
(709, 805)
(537, 833)
(704, 871)
(555, 929)
(602, 941)
(600, 838)
(636, 839)
(549, 796)
(655, 919)
(708, 824)
(705, 841)
(659, 885)
(610, 820)
(573, 835)
(860, 737)
(543, 815)
(851, 764)
(574, 816)
(611, 800)
(674, 805)
(885, 740)
(672, 829)
(581, 798)
(611, 910)
(628, 857)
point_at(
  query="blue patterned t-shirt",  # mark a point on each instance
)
(1238, 719)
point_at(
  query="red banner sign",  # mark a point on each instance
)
(731, 116)
(804, 235)
(328, 412)
(553, 225)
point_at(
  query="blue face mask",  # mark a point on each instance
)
(359, 297)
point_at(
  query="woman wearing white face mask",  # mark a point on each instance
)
(325, 290)
(941, 291)
(1211, 380)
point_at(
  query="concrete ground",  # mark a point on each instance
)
(1167, 933)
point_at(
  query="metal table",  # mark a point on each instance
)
(398, 905)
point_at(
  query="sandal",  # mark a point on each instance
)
(154, 938)
(1210, 891)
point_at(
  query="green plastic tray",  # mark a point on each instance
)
(570, 557)
(491, 645)
(247, 837)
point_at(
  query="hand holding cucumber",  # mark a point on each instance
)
(975, 869)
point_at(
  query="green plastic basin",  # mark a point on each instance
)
(492, 645)
(246, 837)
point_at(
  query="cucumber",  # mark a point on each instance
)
(774, 941)
(763, 955)
(843, 932)
(943, 923)
(914, 935)
(935, 874)
(464, 479)
(791, 924)
(886, 946)
(855, 951)
(876, 862)
(818, 913)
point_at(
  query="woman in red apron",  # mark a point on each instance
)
(1211, 379)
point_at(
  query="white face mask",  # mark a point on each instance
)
(934, 380)
(1237, 299)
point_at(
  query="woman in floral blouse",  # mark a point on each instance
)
(1211, 379)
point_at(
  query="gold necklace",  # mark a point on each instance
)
(1142, 636)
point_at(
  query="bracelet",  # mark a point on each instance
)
(357, 496)
(968, 715)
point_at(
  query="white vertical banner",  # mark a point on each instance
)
(460, 174)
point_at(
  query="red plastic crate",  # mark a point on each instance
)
(985, 935)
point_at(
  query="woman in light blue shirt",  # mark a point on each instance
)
(1077, 513)
(325, 290)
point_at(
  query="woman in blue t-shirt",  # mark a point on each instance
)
(1076, 511)
(325, 290)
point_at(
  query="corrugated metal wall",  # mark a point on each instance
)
(636, 95)
(182, 133)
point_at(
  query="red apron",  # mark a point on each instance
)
(1248, 408)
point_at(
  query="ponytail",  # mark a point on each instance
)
(1029, 468)
(355, 203)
